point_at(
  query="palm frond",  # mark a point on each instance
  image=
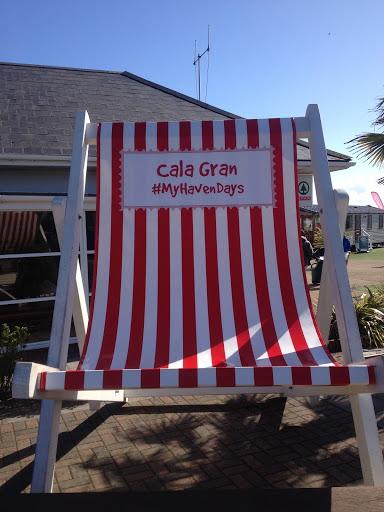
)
(369, 146)
(379, 109)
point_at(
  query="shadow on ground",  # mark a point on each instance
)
(240, 443)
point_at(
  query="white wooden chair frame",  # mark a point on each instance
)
(70, 300)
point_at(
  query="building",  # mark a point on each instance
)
(366, 220)
(37, 114)
(361, 221)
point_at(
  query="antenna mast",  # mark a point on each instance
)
(198, 62)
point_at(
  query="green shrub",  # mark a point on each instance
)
(370, 318)
(11, 343)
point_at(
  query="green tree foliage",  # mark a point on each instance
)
(11, 343)
(370, 145)
(370, 318)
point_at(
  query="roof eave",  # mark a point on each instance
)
(306, 165)
(180, 95)
(10, 160)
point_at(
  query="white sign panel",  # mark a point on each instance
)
(305, 190)
(210, 178)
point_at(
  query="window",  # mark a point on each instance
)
(349, 223)
(369, 221)
(358, 224)
(29, 262)
(381, 221)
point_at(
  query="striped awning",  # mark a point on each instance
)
(17, 231)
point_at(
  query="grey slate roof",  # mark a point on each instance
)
(38, 106)
(364, 209)
(303, 153)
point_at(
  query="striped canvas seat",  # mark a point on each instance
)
(206, 295)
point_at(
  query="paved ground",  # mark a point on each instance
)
(201, 443)
(191, 443)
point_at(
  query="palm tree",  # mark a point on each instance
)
(371, 145)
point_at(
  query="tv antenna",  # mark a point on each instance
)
(197, 60)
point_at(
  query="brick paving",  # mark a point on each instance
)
(190, 443)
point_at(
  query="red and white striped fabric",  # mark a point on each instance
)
(17, 230)
(190, 297)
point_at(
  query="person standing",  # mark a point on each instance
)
(347, 248)
(307, 249)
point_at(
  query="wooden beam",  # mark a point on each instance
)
(26, 385)
(80, 309)
(302, 130)
(325, 301)
(362, 406)
(46, 446)
(341, 291)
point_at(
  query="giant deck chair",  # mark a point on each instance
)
(199, 285)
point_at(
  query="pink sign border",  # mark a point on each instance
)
(271, 149)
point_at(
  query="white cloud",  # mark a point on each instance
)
(358, 181)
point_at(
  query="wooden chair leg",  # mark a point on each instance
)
(46, 446)
(313, 401)
(94, 405)
(367, 435)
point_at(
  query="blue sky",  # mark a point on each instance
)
(267, 59)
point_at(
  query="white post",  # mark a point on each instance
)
(61, 323)
(362, 407)
(337, 269)
(371, 456)
(80, 309)
(46, 446)
(325, 301)
(84, 260)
